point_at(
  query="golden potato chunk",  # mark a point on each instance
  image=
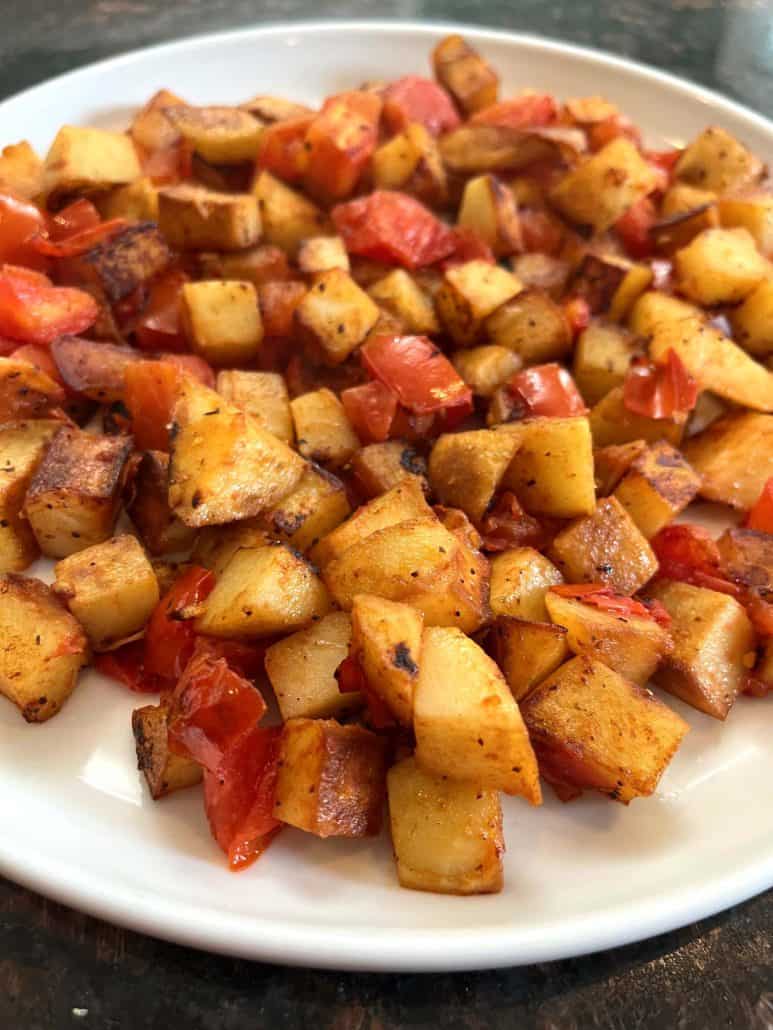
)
(752, 321)
(321, 254)
(316, 506)
(163, 770)
(734, 458)
(400, 295)
(469, 294)
(527, 652)
(720, 266)
(26, 392)
(611, 423)
(658, 485)
(222, 135)
(489, 209)
(465, 469)
(716, 161)
(653, 309)
(470, 80)
(520, 578)
(194, 218)
(602, 358)
(485, 369)
(386, 639)
(380, 466)
(216, 545)
(747, 558)
(533, 326)
(148, 507)
(82, 159)
(411, 163)
(21, 170)
(684, 212)
(263, 395)
(323, 431)
(22, 446)
(753, 212)
(136, 201)
(222, 321)
(287, 216)
(335, 316)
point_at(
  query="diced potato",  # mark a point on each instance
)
(543, 272)
(601, 359)
(263, 591)
(400, 295)
(520, 578)
(117, 266)
(275, 109)
(386, 638)
(110, 588)
(533, 326)
(322, 428)
(83, 159)
(611, 464)
(164, 771)
(287, 216)
(195, 218)
(612, 423)
(657, 486)
(712, 638)
(465, 469)
(447, 835)
(21, 170)
(610, 284)
(224, 466)
(752, 321)
(26, 392)
(380, 466)
(222, 135)
(716, 161)
(22, 446)
(136, 201)
(750, 211)
(151, 127)
(602, 188)
(335, 316)
(734, 458)
(259, 265)
(488, 208)
(653, 309)
(720, 266)
(632, 645)
(593, 729)
(314, 508)
(216, 545)
(411, 163)
(485, 369)
(747, 558)
(43, 648)
(467, 723)
(527, 652)
(474, 148)
(606, 547)
(470, 293)
(684, 212)
(263, 395)
(148, 507)
(302, 670)
(73, 498)
(222, 321)
(321, 254)
(470, 80)
(331, 779)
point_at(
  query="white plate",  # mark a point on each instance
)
(75, 822)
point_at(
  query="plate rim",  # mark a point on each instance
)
(340, 947)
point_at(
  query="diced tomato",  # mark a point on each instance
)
(210, 708)
(664, 161)
(192, 365)
(688, 553)
(468, 246)
(507, 525)
(420, 374)
(371, 410)
(170, 638)
(351, 679)
(634, 227)
(528, 111)
(166, 165)
(663, 390)
(41, 358)
(339, 143)
(151, 391)
(239, 796)
(611, 128)
(760, 516)
(602, 597)
(541, 231)
(20, 223)
(282, 151)
(394, 228)
(73, 220)
(32, 310)
(416, 99)
(578, 315)
(73, 241)
(246, 659)
(278, 302)
(126, 664)
(546, 390)
(159, 326)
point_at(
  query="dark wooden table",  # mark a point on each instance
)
(59, 969)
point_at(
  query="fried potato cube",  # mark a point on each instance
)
(601, 359)
(302, 670)
(527, 652)
(263, 395)
(747, 558)
(335, 316)
(222, 135)
(110, 588)
(148, 507)
(263, 591)
(26, 392)
(321, 254)
(466, 721)
(752, 321)
(593, 729)
(216, 545)
(470, 80)
(411, 162)
(520, 578)
(314, 508)
(533, 326)
(485, 369)
(611, 464)
(381, 466)
(222, 321)
(489, 209)
(288, 217)
(164, 771)
(119, 265)
(720, 266)
(324, 432)
(654, 309)
(750, 211)
(602, 187)
(21, 170)
(466, 469)
(684, 212)
(386, 639)
(447, 835)
(83, 159)
(259, 265)
(22, 446)
(611, 284)
(542, 272)
(716, 161)
(469, 294)
(275, 109)
(605, 547)
(151, 127)
(43, 648)
(712, 638)
(332, 778)
(224, 466)
(194, 218)
(657, 486)
(611, 423)
(136, 201)
(74, 496)
(721, 457)
(400, 295)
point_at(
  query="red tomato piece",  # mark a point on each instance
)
(80, 242)
(528, 111)
(282, 150)
(32, 310)
(192, 365)
(547, 390)
(634, 227)
(246, 659)
(393, 228)
(688, 553)
(662, 390)
(73, 219)
(126, 664)
(151, 391)
(507, 525)
(371, 409)
(416, 99)
(20, 223)
(468, 246)
(41, 358)
(169, 638)
(339, 143)
(166, 165)
(159, 326)
(760, 516)
(278, 302)
(602, 597)
(578, 314)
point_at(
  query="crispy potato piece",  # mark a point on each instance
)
(21, 170)
(74, 496)
(22, 446)
(137, 201)
(542, 272)
(381, 466)
(605, 547)
(466, 469)
(323, 430)
(43, 648)
(476, 148)
(222, 135)
(747, 557)
(657, 486)
(335, 316)
(751, 211)
(684, 212)
(263, 591)
(470, 80)
(721, 457)
(470, 293)
(720, 266)
(386, 639)
(302, 670)
(411, 162)
(110, 588)
(314, 508)
(601, 359)
(321, 254)
(485, 369)
(612, 423)
(222, 321)
(263, 395)
(119, 265)
(611, 464)
(712, 637)
(610, 284)
(520, 578)
(26, 392)
(467, 724)
(92, 369)
(195, 218)
(401, 296)
(533, 326)
(275, 109)
(593, 729)
(489, 209)
(224, 466)
(151, 127)
(164, 771)
(527, 652)
(331, 779)
(82, 159)
(447, 836)
(216, 545)
(716, 161)
(259, 265)
(752, 321)
(288, 217)
(654, 309)
(148, 507)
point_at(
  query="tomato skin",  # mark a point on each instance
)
(394, 228)
(602, 597)
(507, 525)
(80, 242)
(634, 227)
(33, 310)
(663, 390)
(688, 553)
(416, 99)
(20, 224)
(170, 641)
(126, 664)
(468, 246)
(610, 129)
(529, 111)
(339, 143)
(192, 365)
(371, 409)
(578, 315)
(159, 325)
(282, 151)
(760, 516)
(151, 391)
(547, 390)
